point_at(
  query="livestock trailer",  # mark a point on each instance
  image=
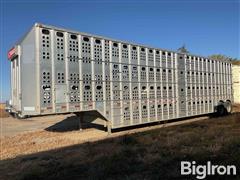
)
(56, 70)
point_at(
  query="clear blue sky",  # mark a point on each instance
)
(205, 26)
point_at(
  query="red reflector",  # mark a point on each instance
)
(11, 53)
(63, 106)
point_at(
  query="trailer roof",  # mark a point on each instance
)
(111, 39)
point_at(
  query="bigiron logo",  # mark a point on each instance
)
(202, 171)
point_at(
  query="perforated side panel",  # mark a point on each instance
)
(128, 84)
(46, 98)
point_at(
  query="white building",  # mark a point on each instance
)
(236, 83)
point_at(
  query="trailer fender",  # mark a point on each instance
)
(228, 106)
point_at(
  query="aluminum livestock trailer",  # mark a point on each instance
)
(56, 70)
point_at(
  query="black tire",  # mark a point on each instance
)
(11, 114)
(15, 115)
(221, 110)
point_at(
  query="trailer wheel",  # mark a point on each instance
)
(15, 115)
(221, 110)
(11, 114)
(228, 106)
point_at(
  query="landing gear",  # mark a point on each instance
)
(109, 128)
(80, 116)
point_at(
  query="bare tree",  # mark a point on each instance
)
(224, 57)
(183, 49)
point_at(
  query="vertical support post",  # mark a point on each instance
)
(53, 70)
(147, 82)
(80, 116)
(109, 127)
(120, 82)
(111, 81)
(66, 55)
(161, 82)
(93, 82)
(37, 56)
(139, 84)
(155, 83)
(177, 84)
(130, 83)
(80, 71)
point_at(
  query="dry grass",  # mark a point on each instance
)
(154, 154)
(33, 142)
(236, 108)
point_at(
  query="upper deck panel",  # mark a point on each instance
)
(115, 40)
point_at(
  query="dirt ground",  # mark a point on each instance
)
(143, 153)
(59, 123)
(37, 134)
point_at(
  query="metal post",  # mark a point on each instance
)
(109, 127)
(80, 116)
